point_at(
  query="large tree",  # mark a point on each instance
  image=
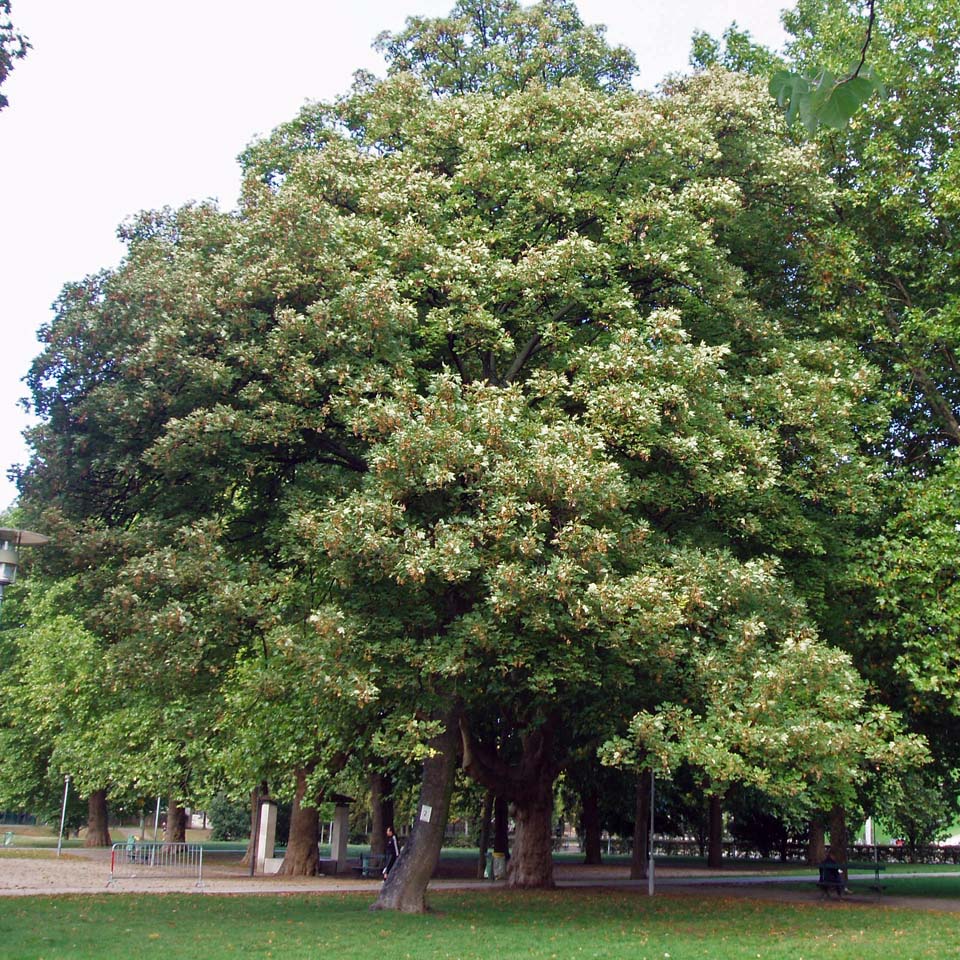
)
(624, 351)
(525, 377)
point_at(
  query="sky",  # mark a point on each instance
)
(128, 105)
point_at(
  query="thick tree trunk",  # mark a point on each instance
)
(381, 811)
(838, 837)
(529, 785)
(715, 843)
(405, 887)
(302, 858)
(176, 831)
(640, 856)
(590, 822)
(501, 826)
(532, 862)
(485, 816)
(817, 844)
(98, 829)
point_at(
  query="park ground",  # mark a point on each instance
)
(62, 909)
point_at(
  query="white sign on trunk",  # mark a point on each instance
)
(425, 813)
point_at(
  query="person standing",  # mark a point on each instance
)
(393, 851)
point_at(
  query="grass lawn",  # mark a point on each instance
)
(474, 926)
(929, 885)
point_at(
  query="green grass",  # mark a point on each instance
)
(927, 886)
(475, 926)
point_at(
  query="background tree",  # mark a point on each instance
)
(13, 46)
(887, 278)
(499, 46)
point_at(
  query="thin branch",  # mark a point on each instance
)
(866, 42)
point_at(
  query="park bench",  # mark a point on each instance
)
(876, 867)
(371, 865)
(831, 879)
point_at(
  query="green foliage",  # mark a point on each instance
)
(824, 99)
(514, 400)
(919, 809)
(13, 46)
(913, 574)
(499, 46)
(228, 820)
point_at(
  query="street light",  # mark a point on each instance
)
(11, 541)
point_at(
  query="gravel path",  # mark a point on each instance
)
(39, 873)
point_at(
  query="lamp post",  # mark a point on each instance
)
(11, 540)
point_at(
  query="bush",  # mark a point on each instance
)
(229, 820)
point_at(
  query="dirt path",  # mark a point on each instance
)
(39, 873)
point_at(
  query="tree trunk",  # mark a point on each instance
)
(176, 831)
(838, 837)
(817, 844)
(640, 856)
(302, 858)
(532, 862)
(715, 843)
(529, 785)
(405, 887)
(590, 821)
(98, 829)
(501, 826)
(381, 811)
(251, 853)
(485, 816)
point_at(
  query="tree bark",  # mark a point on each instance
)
(98, 829)
(405, 887)
(532, 862)
(501, 826)
(529, 785)
(485, 816)
(715, 843)
(838, 837)
(381, 811)
(302, 858)
(640, 855)
(817, 844)
(590, 820)
(176, 830)
(251, 853)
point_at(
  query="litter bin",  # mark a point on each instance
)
(8, 838)
(499, 866)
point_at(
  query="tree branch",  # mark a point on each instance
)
(530, 347)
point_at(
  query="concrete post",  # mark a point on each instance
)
(339, 835)
(267, 834)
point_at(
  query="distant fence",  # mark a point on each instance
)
(794, 852)
(886, 853)
(156, 861)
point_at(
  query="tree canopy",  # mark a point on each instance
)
(511, 408)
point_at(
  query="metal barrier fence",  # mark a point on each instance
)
(156, 861)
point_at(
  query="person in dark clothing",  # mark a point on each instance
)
(393, 851)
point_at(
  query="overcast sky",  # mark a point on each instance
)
(125, 105)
